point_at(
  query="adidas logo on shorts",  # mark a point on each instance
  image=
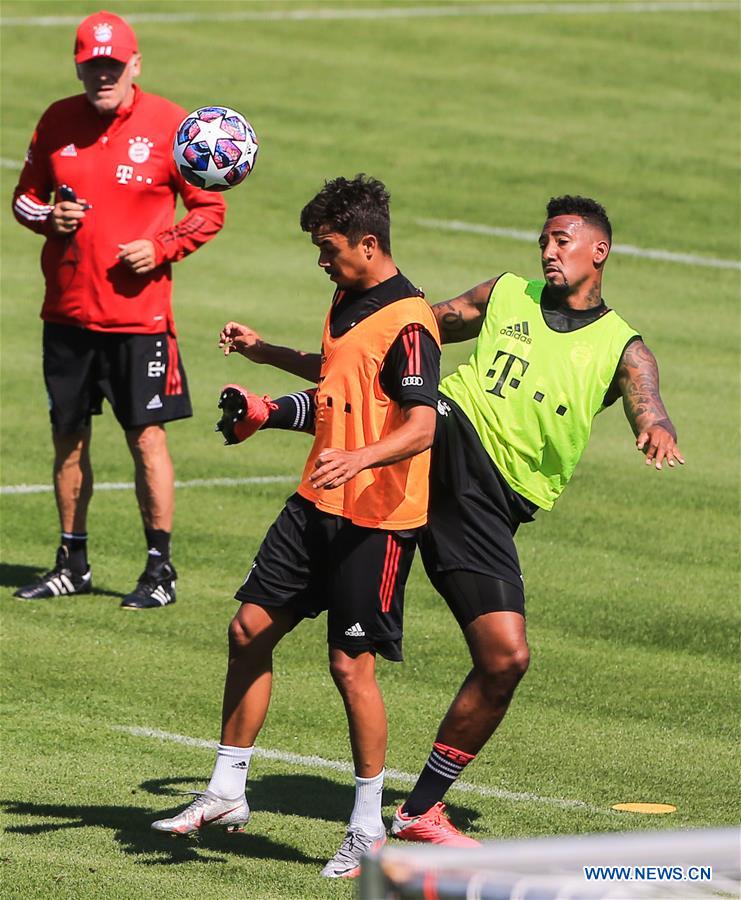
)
(355, 631)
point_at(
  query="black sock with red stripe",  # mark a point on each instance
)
(441, 770)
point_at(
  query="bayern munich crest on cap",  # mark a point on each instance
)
(105, 34)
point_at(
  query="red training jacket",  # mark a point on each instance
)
(122, 165)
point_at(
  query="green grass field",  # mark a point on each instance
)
(632, 580)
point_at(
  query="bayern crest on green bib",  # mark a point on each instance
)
(215, 148)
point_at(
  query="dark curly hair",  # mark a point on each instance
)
(352, 208)
(588, 209)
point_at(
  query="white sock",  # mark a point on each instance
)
(366, 814)
(229, 777)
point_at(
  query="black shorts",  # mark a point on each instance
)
(311, 561)
(81, 367)
(468, 546)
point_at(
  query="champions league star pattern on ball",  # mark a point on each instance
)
(215, 148)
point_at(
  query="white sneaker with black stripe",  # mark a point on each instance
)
(155, 588)
(59, 581)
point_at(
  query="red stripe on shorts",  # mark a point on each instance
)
(390, 570)
(173, 381)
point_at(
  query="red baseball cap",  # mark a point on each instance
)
(105, 34)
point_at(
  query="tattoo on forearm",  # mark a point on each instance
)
(449, 318)
(640, 388)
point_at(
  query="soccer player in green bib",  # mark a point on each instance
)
(513, 422)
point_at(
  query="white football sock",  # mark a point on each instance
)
(229, 777)
(366, 814)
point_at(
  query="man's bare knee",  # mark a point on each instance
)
(243, 632)
(255, 630)
(499, 674)
(499, 649)
(341, 671)
(147, 440)
(69, 448)
(238, 637)
(351, 674)
(503, 666)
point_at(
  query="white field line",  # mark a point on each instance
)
(318, 762)
(395, 12)
(685, 259)
(129, 485)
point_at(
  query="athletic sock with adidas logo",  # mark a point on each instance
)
(441, 770)
(158, 546)
(229, 777)
(76, 544)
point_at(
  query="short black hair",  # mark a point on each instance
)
(352, 208)
(588, 209)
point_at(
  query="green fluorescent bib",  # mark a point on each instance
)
(530, 392)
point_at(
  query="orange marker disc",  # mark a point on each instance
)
(651, 809)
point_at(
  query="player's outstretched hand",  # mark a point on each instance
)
(659, 445)
(138, 255)
(236, 338)
(335, 467)
(242, 413)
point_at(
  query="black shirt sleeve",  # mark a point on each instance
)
(411, 371)
(293, 412)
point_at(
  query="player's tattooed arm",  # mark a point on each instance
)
(638, 380)
(237, 338)
(461, 318)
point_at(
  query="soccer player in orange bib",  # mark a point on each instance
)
(344, 542)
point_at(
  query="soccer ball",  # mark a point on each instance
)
(215, 148)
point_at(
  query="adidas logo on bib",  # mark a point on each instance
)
(519, 332)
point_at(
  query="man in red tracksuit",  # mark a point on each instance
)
(100, 185)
